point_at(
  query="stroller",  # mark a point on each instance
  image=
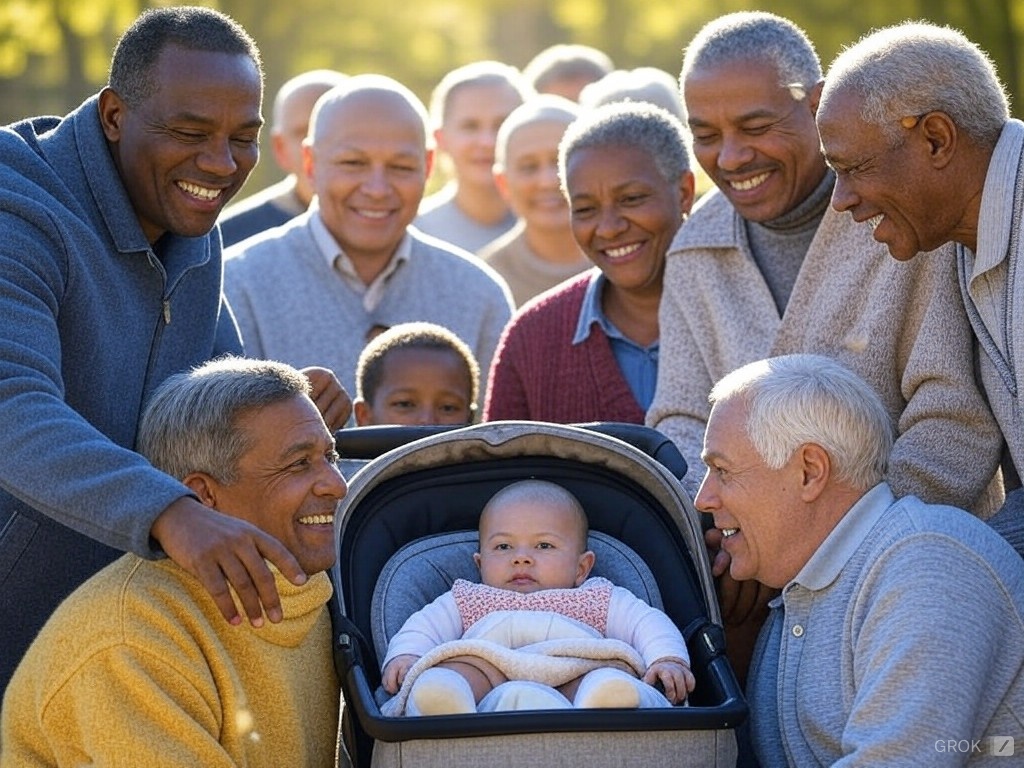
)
(407, 529)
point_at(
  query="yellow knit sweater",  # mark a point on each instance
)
(138, 668)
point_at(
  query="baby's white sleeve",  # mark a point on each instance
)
(430, 626)
(650, 631)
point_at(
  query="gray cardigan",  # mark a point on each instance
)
(899, 325)
(993, 290)
(904, 630)
(292, 306)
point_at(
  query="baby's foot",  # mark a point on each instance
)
(440, 691)
(608, 688)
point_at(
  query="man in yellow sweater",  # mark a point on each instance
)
(137, 667)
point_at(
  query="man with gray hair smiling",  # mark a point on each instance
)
(916, 124)
(900, 626)
(137, 666)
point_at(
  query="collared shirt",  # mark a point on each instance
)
(342, 264)
(855, 669)
(639, 365)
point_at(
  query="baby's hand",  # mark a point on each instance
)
(675, 677)
(396, 670)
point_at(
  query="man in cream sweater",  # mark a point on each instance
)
(137, 667)
(764, 267)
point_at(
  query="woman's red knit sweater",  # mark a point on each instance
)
(539, 374)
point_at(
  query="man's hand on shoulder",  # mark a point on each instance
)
(330, 397)
(220, 550)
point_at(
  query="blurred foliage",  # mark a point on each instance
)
(53, 53)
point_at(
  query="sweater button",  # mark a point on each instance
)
(798, 631)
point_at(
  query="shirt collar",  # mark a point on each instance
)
(336, 257)
(590, 310)
(838, 547)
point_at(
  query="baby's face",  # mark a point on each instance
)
(526, 547)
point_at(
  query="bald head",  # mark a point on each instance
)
(378, 96)
(367, 157)
(293, 106)
(540, 494)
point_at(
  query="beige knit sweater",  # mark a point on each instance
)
(900, 325)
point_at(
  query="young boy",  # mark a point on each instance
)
(534, 561)
(416, 374)
(540, 251)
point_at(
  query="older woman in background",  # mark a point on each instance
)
(587, 350)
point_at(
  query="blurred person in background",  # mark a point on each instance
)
(289, 197)
(540, 251)
(564, 69)
(467, 108)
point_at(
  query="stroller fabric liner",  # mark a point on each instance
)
(407, 529)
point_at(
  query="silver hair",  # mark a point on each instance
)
(190, 424)
(476, 73)
(797, 399)
(542, 108)
(646, 127)
(646, 84)
(756, 36)
(913, 68)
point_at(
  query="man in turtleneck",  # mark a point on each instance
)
(137, 666)
(765, 267)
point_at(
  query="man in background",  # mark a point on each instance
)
(289, 197)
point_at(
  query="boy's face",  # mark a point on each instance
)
(420, 387)
(527, 547)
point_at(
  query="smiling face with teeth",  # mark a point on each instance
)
(369, 163)
(755, 507)
(287, 483)
(753, 138)
(184, 151)
(899, 187)
(624, 214)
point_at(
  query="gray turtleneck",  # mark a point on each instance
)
(779, 245)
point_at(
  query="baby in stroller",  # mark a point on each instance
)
(537, 633)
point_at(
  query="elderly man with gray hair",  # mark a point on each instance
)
(916, 124)
(137, 666)
(900, 626)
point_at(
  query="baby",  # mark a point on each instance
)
(533, 557)
(416, 373)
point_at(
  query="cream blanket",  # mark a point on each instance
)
(541, 646)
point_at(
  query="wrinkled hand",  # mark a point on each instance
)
(396, 670)
(675, 677)
(330, 397)
(220, 550)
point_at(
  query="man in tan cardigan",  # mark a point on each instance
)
(765, 267)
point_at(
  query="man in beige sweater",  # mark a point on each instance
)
(765, 267)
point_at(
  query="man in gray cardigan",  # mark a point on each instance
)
(319, 287)
(954, 174)
(899, 630)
